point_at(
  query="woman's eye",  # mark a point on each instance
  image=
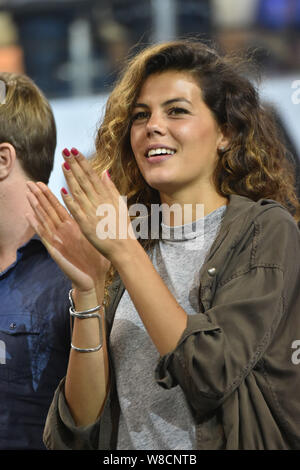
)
(140, 115)
(175, 111)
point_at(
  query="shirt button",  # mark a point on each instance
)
(12, 326)
(212, 271)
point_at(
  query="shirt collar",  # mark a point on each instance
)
(29, 247)
(31, 241)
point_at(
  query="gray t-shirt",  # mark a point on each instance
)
(153, 418)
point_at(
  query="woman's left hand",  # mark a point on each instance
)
(97, 206)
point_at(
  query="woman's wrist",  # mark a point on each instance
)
(84, 300)
(122, 256)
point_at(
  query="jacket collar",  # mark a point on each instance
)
(238, 219)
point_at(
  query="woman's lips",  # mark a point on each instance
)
(159, 158)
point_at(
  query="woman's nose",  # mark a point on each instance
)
(156, 125)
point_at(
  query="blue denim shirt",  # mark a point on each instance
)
(34, 343)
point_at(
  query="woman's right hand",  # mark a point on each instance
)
(62, 237)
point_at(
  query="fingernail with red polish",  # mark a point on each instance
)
(107, 172)
(67, 166)
(74, 151)
(64, 191)
(66, 152)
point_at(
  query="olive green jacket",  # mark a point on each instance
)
(237, 360)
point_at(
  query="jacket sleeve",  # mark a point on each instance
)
(61, 432)
(221, 346)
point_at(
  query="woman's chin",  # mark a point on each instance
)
(164, 185)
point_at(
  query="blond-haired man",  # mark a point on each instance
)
(34, 324)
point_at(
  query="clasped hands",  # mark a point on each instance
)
(74, 242)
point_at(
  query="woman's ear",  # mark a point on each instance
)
(224, 139)
(7, 159)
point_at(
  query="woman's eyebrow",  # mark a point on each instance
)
(165, 103)
(174, 100)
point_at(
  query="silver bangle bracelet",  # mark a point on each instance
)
(90, 310)
(86, 350)
(84, 314)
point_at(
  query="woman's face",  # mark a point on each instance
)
(174, 136)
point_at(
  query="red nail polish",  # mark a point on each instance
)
(107, 172)
(64, 191)
(66, 152)
(67, 166)
(74, 151)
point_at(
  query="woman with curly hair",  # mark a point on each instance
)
(197, 345)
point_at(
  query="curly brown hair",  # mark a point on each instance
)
(255, 164)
